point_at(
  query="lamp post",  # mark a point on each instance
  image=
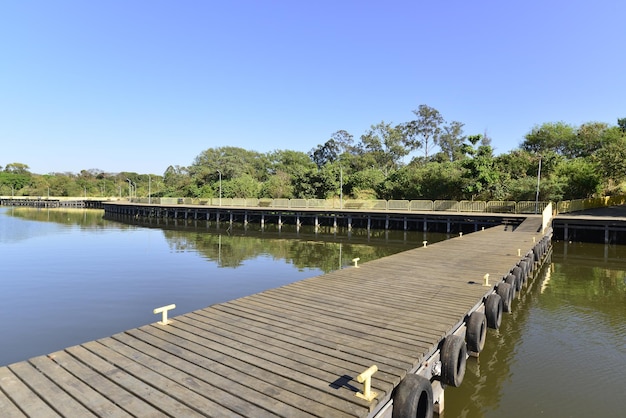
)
(538, 180)
(341, 187)
(149, 189)
(220, 173)
(130, 188)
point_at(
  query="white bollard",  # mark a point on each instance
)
(164, 310)
(366, 378)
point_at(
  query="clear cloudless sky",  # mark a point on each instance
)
(139, 85)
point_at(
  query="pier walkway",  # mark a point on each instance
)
(296, 350)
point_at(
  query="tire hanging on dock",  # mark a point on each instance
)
(453, 359)
(476, 332)
(413, 398)
(537, 252)
(493, 310)
(528, 262)
(519, 275)
(511, 280)
(506, 293)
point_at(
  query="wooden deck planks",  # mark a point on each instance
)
(101, 386)
(291, 351)
(249, 372)
(226, 390)
(8, 408)
(21, 395)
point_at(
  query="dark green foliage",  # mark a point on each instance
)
(433, 181)
(481, 172)
(580, 178)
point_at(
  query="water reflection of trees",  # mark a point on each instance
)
(588, 275)
(233, 250)
(84, 218)
(230, 245)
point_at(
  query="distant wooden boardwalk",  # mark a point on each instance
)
(290, 351)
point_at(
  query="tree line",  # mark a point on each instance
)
(424, 158)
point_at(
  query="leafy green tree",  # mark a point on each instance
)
(232, 162)
(176, 181)
(519, 189)
(277, 186)
(480, 169)
(289, 162)
(12, 181)
(580, 178)
(517, 163)
(364, 183)
(385, 144)
(17, 168)
(244, 186)
(424, 131)
(549, 137)
(611, 161)
(339, 142)
(430, 181)
(589, 138)
(451, 141)
(317, 183)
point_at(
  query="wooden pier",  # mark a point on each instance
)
(300, 349)
(427, 221)
(52, 203)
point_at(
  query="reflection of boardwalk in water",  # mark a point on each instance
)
(291, 351)
(602, 225)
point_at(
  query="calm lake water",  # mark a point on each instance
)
(70, 276)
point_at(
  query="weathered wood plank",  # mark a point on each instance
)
(365, 349)
(324, 371)
(298, 382)
(102, 386)
(48, 391)
(8, 408)
(201, 372)
(185, 388)
(77, 389)
(283, 390)
(175, 398)
(29, 402)
(293, 349)
(136, 386)
(323, 343)
(335, 324)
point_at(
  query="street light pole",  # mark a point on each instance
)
(220, 173)
(130, 189)
(149, 189)
(538, 180)
(341, 185)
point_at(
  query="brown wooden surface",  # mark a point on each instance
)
(290, 351)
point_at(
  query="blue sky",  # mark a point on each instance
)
(123, 85)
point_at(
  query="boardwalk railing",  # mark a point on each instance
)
(523, 207)
(566, 206)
